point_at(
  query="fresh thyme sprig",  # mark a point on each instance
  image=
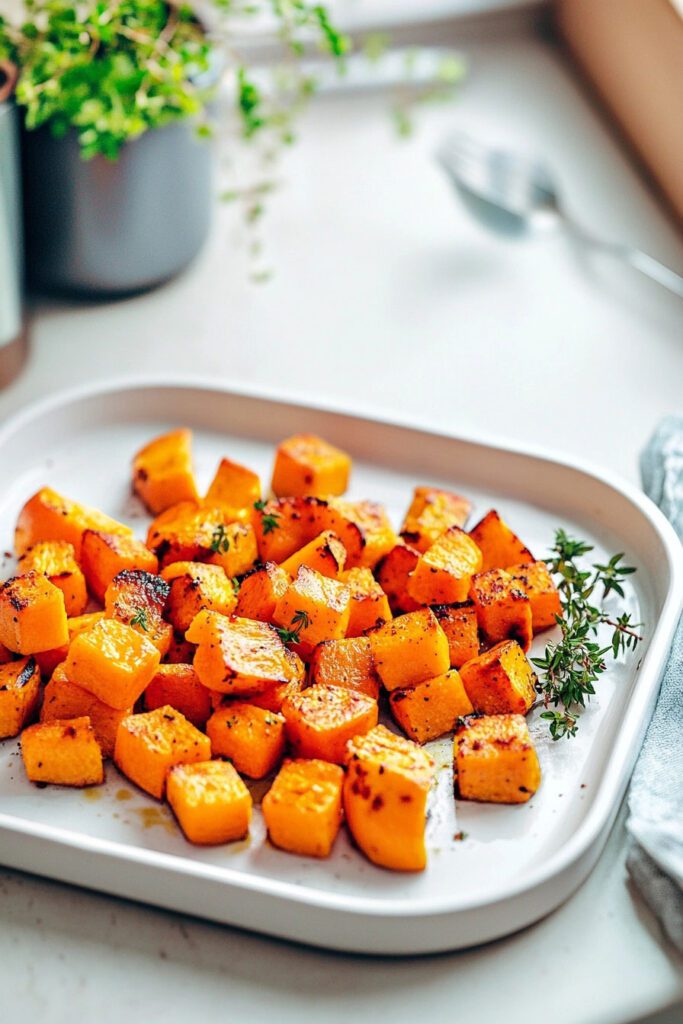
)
(220, 542)
(140, 619)
(269, 520)
(571, 666)
(300, 620)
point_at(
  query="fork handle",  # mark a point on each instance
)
(635, 258)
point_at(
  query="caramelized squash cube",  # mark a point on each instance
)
(363, 528)
(500, 681)
(63, 752)
(347, 663)
(499, 546)
(56, 560)
(283, 525)
(494, 760)
(459, 623)
(393, 574)
(303, 807)
(444, 572)
(234, 549)
(369, 603)
(105, 555)
(251, 737)
(49, 660)
(234, 486)
(162, 471)
(113, 661)
(317, 607)
(210, 801)
(32, 614)
(195, 586)
(188, 532)
(535, 580)
(274, 697)
(385, 798)
(241, 656)
(260, 591)
(150, 744)
(138, 599)
(431, 708)
(432, 512)
(50, 516)
(322, 719)
(307, 465)
(503, 609)
(325, 553)
(64, 699)
(410, 649)
(179, 686)
(19, 695)
(181, 651)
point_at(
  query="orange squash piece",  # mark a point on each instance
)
(431, 708)
(63, 699)
(260, 591)
(283, 525)
(459, 623)
(503, 609)
(385, 798)
(19, 694)
(410, 649)
(105, 555)
(195, 586)
(499, 546)
(181, 651)
(150, 744)
(162, 471)
(325, 553)
(305, 465)
(49, 660)
(234, 486)
(535, 580)
(500, 681)
(138, 599)
(251, 737)
(32, 614)
(354, 520)
(369, 603)
(56, 560)
(317, 607)
(113, 661)
(274, 697)
(303, 807)
(188, 532)
(234, 549)
(179, 686)
(393, 574)
(50, 516)
(64, 752)
(432, 512)
(347, 663)
(444, 571)
(210, 801)
(322, 719)
(494, 760)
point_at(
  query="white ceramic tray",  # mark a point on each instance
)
(516, 863)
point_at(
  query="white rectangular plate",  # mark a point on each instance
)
(516, 863)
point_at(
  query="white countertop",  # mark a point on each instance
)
(386, 296)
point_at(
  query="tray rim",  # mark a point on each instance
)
(605, 803)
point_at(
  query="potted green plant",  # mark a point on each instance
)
(116, 101)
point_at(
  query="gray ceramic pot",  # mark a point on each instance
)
(102, 227)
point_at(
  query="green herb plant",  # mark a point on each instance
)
(300, 620)
(220, 542)
(270, 521)
(140, 619)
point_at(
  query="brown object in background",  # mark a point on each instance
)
(632, 52)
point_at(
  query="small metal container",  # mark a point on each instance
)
(12, 338)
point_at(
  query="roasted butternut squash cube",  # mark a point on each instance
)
(139, 599)
(210, 801)
(444, 572)
(393, 574)
(325, 553)
(307, 465)
(19, 694)
(32, 614)
(283, 525)
(193, 587)
(369, 603)
(499, 546)
(251, 737)
(50, 516)
(179, 686)
(181, 651)
(188, 532)
(322, 719)
(56, 560)
(260, 591)
(234, 486)
(366, 522)
(274, 697)
(494, 760)
(347, 663)
(315, 607)
(432, 512)
(162, 471)
(535, 580)
(385, 798)
(410, 649)
(150, 744)
(234, 549)
(49, 660)
(503, 609)
(303, 807)
(105, 555)
(64, 752)
(113, 661)
(63, 699)
(431, 708)
(459, 623)
(241, 656)
(500, 681)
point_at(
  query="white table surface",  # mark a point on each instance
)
(386, 296)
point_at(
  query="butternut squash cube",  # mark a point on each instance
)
(410, 649)
(495, 760)
(317, 607)
(234, 486)
(50, 516)
(240, 656)
(303, 807)
(113, 661)
(234, 549)
(162, 471)
(347, 663)
(138, 599)
(63, 752)
(49, 660)
(459, 623)
(393, 574)
(283, 525)
(369, 603)
(32, 614)
(150, 744)
(193, 587)
(363, 528)
(63, 699)
(179, 686)
(432, 512)
(19, 694)
(499, 546)
(274, 697)
(431, 708)
(503, 609)
(188, 532)
(535, 580)
(105, 555)
(444, 572)
(252, 738)
(260, 591)
(181, 651)
(210, 801)
(55, 559)
(307, 465)
(322, 719)
(500, 681)
(325, 553)
(385, 798)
